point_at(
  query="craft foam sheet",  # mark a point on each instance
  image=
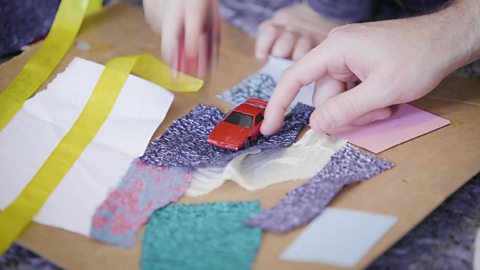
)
(201, 236)
(27, 141)
(339, 237)
(184, 143)
(406, 123)
(261, 85)
(347, 166)
(143, 189)
(258, 169)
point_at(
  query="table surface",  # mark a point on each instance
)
(428, 169)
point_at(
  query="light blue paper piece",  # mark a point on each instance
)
(339, 237)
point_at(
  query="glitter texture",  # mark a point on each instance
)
(304, 203)
(201, 236)
(259, 86)
(143, 190)
(184, 143)
(24, 21)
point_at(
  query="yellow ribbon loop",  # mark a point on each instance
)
(64, 29)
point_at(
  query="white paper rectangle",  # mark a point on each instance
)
(27, 141)
(339, 237)
(275, 67)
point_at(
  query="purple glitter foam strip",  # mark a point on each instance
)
(142, 190)
(184, 143)
(302, 204)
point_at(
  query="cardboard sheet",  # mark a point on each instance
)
(339, 237)
(35, 131)
(407, 122)
(428, 169)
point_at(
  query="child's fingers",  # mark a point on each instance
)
(214, 36)
(283, 46)
(267, 34)
(203, 55)
(172, 32)
(302, 47)
(201, 26)
(196, 24)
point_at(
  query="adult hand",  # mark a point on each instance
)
(360, 70)
(190, 32)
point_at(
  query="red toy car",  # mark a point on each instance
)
(241, 127)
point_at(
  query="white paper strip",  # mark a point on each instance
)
(276, 66)
(27, 141)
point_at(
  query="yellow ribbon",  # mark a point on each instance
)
(21, 211)
(18, 215)
(64, 29)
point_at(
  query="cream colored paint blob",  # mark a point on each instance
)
(259, 169)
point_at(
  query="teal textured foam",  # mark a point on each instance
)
(201, 236)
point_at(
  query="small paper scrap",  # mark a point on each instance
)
(259, 169)
(339, 237)
(184, 143)
(406, 123)
(143, 189)
(201, 236)
(261, 85)
(258, 85)
(302, 204)
(27, 141)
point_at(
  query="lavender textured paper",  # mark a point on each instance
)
(143, 189)
(24, 21)
(184, 143)
(349, 165)
(259, 86)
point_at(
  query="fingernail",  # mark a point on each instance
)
(174, 65)
(260, 56)
(324, 122)
(314, 124)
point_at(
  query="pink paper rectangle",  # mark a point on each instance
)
(406, 123)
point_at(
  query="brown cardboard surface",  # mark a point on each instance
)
(428, 169)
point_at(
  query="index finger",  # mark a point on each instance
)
(308, 69)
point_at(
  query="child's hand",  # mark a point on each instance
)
(292, 32)
(190, 32)
(362, 69)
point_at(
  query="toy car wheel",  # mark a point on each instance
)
(248, 143)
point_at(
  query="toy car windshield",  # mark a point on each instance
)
(240, 119)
